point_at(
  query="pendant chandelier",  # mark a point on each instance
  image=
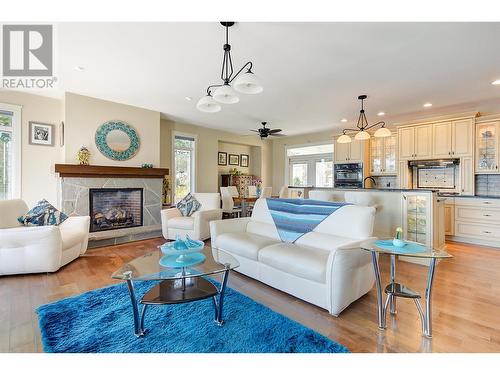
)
(246, 83)
(362, 127)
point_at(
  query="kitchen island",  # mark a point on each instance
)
(421, 213)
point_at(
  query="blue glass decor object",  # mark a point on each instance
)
(180, 244)
(409, 248)
(117, 153)
(398, 238)
(188, 260)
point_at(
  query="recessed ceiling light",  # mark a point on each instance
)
(497, 82)
(428, 105)
(188, 98)
(79, 68)
(380, 113)
(343, 120)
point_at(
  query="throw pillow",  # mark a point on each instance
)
(188, 205)
(42, 214)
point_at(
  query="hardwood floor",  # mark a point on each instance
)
(466, 302)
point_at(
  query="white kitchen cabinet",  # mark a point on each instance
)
(466, 176)
(487, 138)
(452, 139)
(462, 141)
(406, 138)
(441, 135)
(383, 156)
(415, 143)
(404, 175)
(352, 152)
(449, 218)
(416, 217)
(356, 151)
(341, 151)
(442, 140)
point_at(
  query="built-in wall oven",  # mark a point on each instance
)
(349, 175)
(442, 175)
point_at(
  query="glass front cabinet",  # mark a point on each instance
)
(383, 156)
(487, 147)
(423, 221)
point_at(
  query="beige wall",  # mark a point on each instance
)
(38, 179)
(83, 115)
(238, 149)
(279, 153)
(208, 146)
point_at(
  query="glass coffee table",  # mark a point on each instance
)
(395, 290)
(177, 285)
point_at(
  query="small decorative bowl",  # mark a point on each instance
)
(168, 248)
(398, 243)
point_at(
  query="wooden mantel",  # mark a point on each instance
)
(75, 170)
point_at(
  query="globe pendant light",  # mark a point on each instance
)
(246, 83)
(225, 94)
(208, 104)
(362, 127)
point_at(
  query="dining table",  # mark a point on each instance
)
(244, 203)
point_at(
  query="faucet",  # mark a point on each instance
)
(369, 178)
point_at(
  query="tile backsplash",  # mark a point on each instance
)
(488, 184)
(386, 181)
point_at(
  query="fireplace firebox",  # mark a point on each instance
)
(115, 208)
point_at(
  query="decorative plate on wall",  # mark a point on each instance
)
(117, 140)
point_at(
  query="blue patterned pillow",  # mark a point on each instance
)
(42, 214)
(188, 205)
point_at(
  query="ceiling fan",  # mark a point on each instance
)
(266, 132)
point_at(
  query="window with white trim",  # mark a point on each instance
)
(10, 151)
(184, 153)
(310, 165)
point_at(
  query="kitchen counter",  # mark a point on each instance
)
(445, 195)
(389, 189)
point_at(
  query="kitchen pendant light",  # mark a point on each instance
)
(208, 104)
(362, 127)
(246, 83)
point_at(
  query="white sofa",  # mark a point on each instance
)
(38, 249)
(196, 225)
(325, 267)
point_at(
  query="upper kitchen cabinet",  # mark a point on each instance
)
(383, 156)
(452, 139)
(352, 152)
(415, 142)
(487, 147)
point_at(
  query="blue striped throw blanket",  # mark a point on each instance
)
(295, 217)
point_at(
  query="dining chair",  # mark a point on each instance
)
(284, 193)
(228, 207)
(252, 191)
(266, 192)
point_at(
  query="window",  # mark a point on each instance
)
(10, 151)
(311, 165)
(184, 161)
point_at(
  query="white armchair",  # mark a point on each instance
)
(197, 226)
(38, 249)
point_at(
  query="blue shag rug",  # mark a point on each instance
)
(100, 321)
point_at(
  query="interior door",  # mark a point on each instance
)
(423, 141)
(462, 131)
(406, 143)
(441, 140)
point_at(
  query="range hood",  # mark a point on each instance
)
(435, 163)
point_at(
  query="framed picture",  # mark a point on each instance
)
(244, 160)
(234, 159)
(41, 134)
(222, 158)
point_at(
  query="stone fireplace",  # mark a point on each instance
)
(115, 208)
(124, 203)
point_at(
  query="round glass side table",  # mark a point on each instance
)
(396, 290)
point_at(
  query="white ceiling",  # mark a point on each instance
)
(312, 72)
